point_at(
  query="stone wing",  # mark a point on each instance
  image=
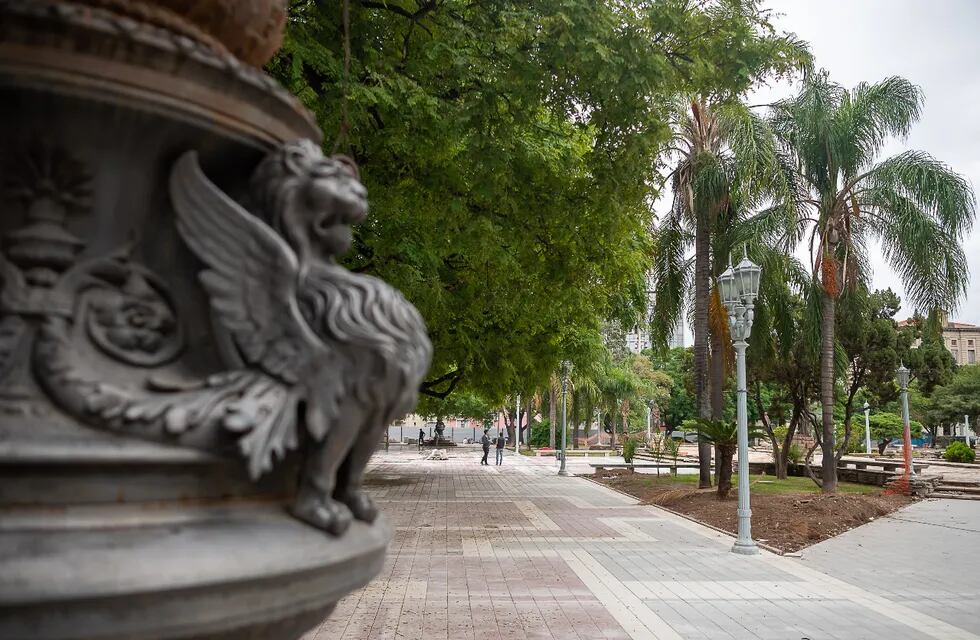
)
(251, 274)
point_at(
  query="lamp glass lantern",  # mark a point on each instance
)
(903, 376)
(728, 288)
(747, 277)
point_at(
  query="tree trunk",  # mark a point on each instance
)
(726, 454)
(589, 414)
(717, 390)
(612, 436)
(783, 465)
(529, 411)
(829, 463)
(576, 410)
(552, 413)
(702, 276)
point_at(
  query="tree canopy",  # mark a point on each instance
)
(508, 149)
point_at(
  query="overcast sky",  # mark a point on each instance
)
(936, 45)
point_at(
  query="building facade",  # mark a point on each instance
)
(639, 338)
(962, 339)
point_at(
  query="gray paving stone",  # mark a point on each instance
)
(517, 552)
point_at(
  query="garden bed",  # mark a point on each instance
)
(786, 514)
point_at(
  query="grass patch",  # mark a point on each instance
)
(769, 485)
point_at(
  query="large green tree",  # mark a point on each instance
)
(507, 148)
(869, 341)
(915, 206)
(961, 397)
(727, 160)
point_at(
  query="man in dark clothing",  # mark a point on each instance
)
(485, 441)
(501, 441)
(421, 438)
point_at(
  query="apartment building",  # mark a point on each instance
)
(962, 339)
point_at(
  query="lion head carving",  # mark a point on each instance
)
(310, 199)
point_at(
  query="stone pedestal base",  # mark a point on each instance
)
(234, 571)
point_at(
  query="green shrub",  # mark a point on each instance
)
(540, 433)
(795, 454)
(672, 449)
(780, 433)
(629, 449)
(959, 452)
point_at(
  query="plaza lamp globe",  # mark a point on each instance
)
(747, 277)
(903, 376)
(728, 288)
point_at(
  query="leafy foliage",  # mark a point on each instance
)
(507, 148)
(916, 207)
(959, 452)
(931, 363)
(886, 427)
(629, 449)
(959, 398)
(676, 364)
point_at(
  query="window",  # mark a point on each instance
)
(971, 357)
(969, 343)
(954, 343)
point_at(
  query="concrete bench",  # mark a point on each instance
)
(597, 466)
(861, 465)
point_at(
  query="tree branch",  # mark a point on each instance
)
(453, 377)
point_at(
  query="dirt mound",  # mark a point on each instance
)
(787, 521)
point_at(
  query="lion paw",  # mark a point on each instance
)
(325, 514)
(361, 505)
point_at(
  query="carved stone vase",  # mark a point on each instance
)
(190, 386)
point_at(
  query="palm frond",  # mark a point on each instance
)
(670, 276)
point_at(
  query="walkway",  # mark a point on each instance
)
(926, 557)
(516, 552)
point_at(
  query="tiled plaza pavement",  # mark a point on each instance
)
(516, 552)
(926, 556)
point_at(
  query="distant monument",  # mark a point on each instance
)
(440, 439)
(190, 386)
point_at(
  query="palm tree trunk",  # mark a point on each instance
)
(576, 409)
(612, 436)
(702, 276)
(717, 386)
(552, 413)
(725, 455)
(829, 464)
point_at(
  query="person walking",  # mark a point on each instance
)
(421, 438)
(501, 441)
(485, 441)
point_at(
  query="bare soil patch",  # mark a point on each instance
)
(788, 521)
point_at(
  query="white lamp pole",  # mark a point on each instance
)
(566, 370)
(867, 426)
(649, 417)
(739, 288)
(903, 382)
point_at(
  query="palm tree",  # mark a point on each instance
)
(724, 435)
(915, 206)
(728, 163)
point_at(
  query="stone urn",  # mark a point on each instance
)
(190, 386)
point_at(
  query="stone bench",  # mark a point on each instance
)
(632, 466)
(861, 465)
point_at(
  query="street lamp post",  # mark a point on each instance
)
(739, 288)
(517, 426)
(903, 383)
(867, 426)
(649, 418)
(566, 370)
